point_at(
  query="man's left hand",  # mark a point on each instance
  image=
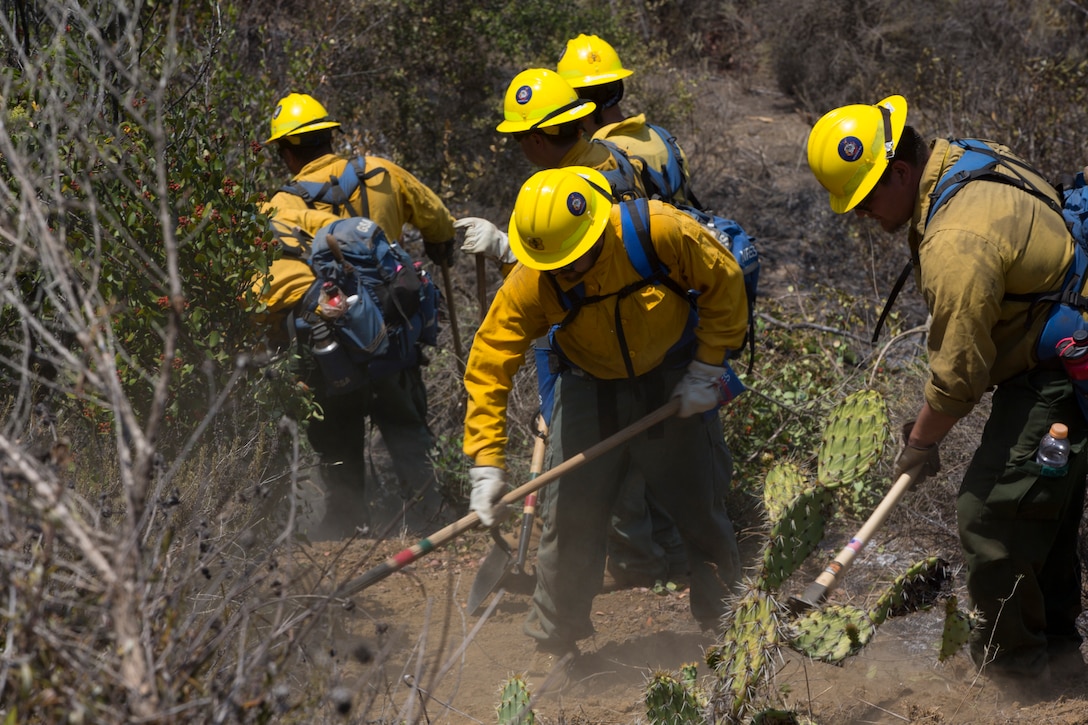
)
(698, 391)
(441, 253)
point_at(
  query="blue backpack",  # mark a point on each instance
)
(390, 304)
(337, 191)
(1067, 305)
(625, 181)
(671, 182)
(635, 218)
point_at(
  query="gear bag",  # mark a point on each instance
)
(1067, 307)
(635, 217)
(671, 182)
(377, 302)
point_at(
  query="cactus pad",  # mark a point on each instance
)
(794, 536)
(957, 628)
(749, 638)
(918, 588)
(853, 439)
(783, 484)
(673, 702)
(831, 634)
(514, 706)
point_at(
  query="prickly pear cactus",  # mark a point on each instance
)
(783, 484)
(957, 628)
(831, 634)
(794, 536)
(749, 641)
(917, 588)
(514, 707)
(853, 439)
(674, 702)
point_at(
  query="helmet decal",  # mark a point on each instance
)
(851, 149)
(524, 95)
(276, 113)
(533, 243)
(593, 57)
(576, 204)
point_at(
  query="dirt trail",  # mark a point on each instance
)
(408, 627)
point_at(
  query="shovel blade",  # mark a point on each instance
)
(495, 565)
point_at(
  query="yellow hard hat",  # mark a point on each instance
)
(298, 113)
(558, 216)
(589, 61)
(539, 98)
(849, 148)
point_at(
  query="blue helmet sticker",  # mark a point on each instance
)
(576, 204)
(523, 95)
(851, 149)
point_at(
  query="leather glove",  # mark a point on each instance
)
(483, 237)
(911, 457)
(488, 486)
(698, 391)
(439, 252)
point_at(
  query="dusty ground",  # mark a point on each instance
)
(413, 628)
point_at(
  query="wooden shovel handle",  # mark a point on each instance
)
(449, 533)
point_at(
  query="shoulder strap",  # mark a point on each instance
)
(635, 228)
(979, 161)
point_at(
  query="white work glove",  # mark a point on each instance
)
(483, 237)
(698, 391)
(488, 487)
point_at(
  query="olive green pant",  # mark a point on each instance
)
(679, 459)
(1018, 528)
(397, 404)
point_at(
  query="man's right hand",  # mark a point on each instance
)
(910, 457)
(483, 237)
(488, 487)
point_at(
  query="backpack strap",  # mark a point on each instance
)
(337, 191)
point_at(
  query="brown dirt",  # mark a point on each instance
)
(412, 626)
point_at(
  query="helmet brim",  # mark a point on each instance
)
(517, 125)
(600, 79)
(303, 129)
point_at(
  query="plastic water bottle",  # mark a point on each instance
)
(1053, 453)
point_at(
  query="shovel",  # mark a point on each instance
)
(497, 568)
(816, 592)
(444, 536)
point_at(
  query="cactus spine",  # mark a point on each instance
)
(514, 704)
(675, 702)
